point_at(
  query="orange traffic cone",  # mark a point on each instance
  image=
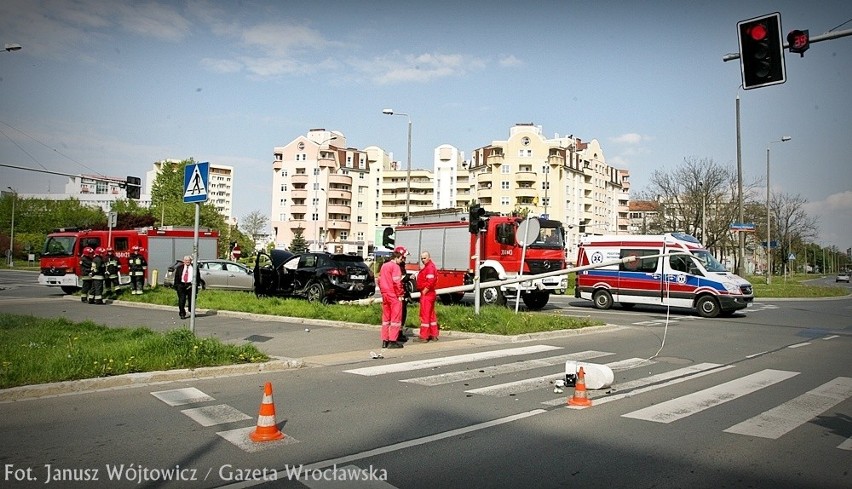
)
(580, 397)
(267, 428)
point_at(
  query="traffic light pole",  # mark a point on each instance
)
(822, 37)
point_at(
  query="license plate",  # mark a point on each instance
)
(358, 277)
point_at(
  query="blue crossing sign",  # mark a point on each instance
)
(195, 182)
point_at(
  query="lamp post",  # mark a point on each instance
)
(703, 213)
(408, 176)
(12, 233)
(784, 139)
(316, 192)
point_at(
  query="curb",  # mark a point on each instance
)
(70, 387)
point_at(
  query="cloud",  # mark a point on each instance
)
(221, 65)
(398, 68)
(510, 61)
(834, 215)
(628, 138)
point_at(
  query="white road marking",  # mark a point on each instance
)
(476, 373)
(180, 397)
(213, 415)
(669, 411)
(782, 419)
(451, 360)
(799, 345)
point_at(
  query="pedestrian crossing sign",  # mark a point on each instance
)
(195, 182)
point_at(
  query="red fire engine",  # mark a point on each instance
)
(446, 235)
(60, 257)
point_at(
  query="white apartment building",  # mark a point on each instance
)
(94, 191)
(563, 178)
(342, 198)
(220, 183)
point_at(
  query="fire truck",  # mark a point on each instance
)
(450, 238)
(60, 257)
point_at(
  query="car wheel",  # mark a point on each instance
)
(602, 299)
(316, 293)
(707, 306)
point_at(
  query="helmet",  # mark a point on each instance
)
(135, 249)
(401, 250)
(141, 249)
(110, 250)
(88, 251)
(100, 250)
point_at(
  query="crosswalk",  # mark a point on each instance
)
(502, 379)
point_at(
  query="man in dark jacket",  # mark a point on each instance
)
(184, 273)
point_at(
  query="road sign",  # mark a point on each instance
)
(528, 231)
(742, 226)
(195, 182)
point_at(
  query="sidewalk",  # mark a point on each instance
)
(291, 342)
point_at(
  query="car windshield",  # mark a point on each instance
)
(708, 261)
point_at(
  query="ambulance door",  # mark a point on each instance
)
(681, 282)
(639, 281)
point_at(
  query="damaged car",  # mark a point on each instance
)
(315, 276)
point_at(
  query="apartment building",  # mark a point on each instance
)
(562, 178)
(220, 183)
(94, 191)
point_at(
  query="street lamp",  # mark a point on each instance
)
(12, 233)
(784, 139)
(408, 177)
(703, 213)
(316, 193)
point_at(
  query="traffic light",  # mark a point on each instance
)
(799, 41)
(761, 51)
(475, 219)
(134, 188)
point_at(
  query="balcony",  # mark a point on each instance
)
(342, 180)
(299, 194)
(339, 210)
(301, 179)
(298, 209)
(526, 192)
(526, 176)
(338, 225)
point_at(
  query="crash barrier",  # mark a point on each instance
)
(597, 376)
(267, 427)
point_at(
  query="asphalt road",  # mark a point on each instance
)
(761, 399)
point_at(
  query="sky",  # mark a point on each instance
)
(111, 86)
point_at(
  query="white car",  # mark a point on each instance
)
(842, 277)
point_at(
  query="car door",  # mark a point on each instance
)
(213, 275)
(239, 277)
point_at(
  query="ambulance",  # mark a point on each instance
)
(671, 269)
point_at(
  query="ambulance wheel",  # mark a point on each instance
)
(707, 307)
(602, 299)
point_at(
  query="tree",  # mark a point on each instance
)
(792, 226)
(298, 245)
(254, 224)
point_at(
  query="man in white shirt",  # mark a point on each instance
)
(183, 285)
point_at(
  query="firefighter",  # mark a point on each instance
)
(427, 279)
(393, 296)
(111, 278)
(138, 266)
(85, 272)
(96, 294)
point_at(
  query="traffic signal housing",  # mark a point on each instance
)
(133, 187)
(761, 51)
(799, 41)
(476, 221)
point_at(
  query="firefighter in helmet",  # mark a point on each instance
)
(85, 272)
(138, 266)
(96, 295)
(111, 278)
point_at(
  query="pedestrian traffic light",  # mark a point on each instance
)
(761, 51)
(799, 41)
(476, 222)
(134, 188)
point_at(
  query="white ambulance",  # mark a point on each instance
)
(686, 275)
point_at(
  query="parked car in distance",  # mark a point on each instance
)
(315, 276)
(842, 277)
(218, 274)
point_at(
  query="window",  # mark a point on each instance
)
(504, 201)
(646, 266)
(505, 169)
(344, 235)
(504, 185)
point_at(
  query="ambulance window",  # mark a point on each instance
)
(679, 263)
(646, 266)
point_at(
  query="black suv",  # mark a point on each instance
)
(315, 276)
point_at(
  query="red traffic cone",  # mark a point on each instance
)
(267, 428)
(580, 396)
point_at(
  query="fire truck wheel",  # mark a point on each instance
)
(707, 307)
(492, 296)
(602, 299)
(69, 290)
